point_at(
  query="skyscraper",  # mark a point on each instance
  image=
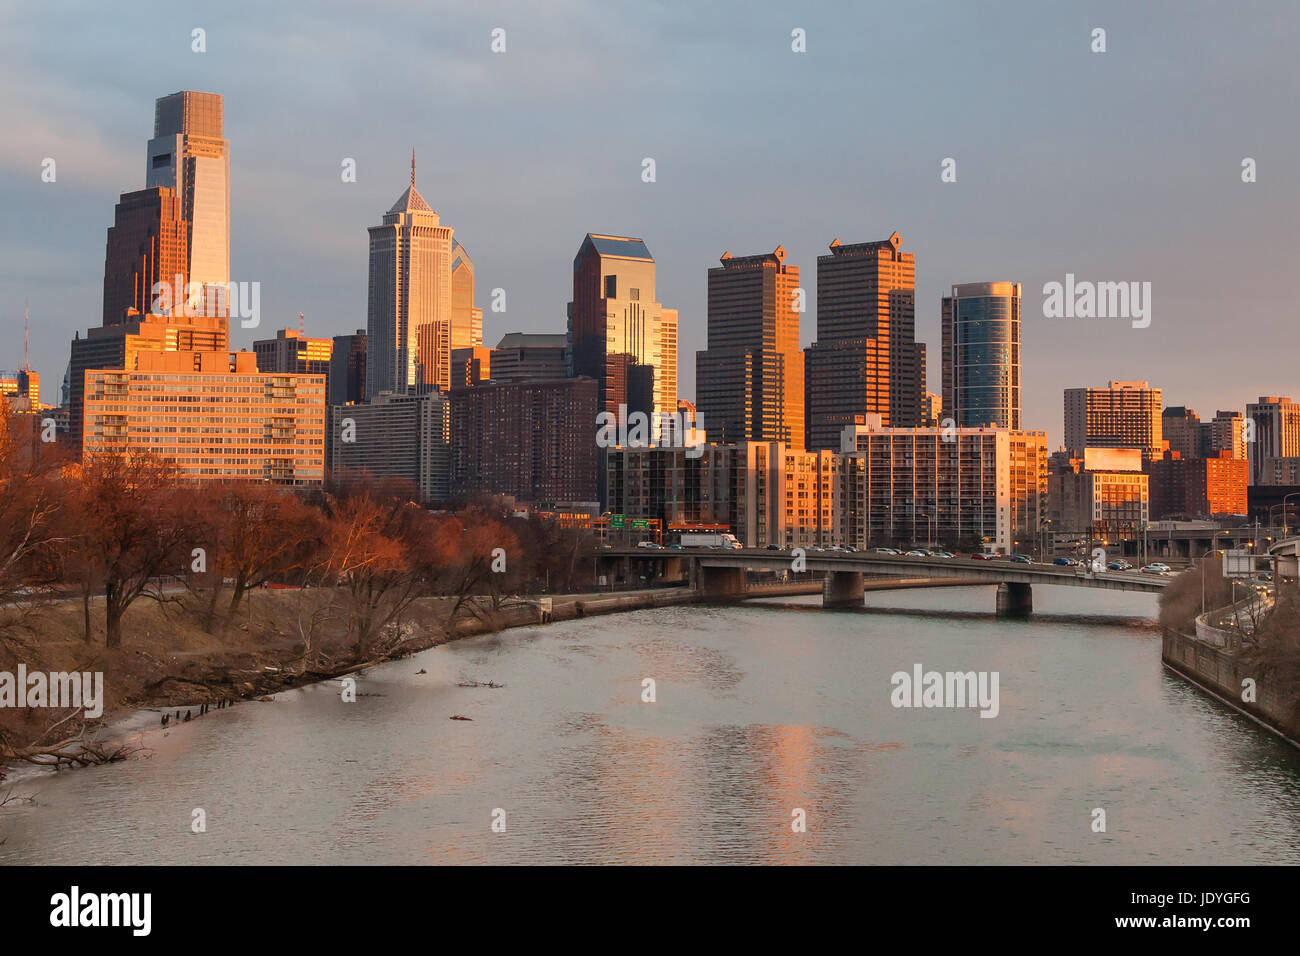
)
(1277, 433)
(149, 242)
(865, 360)
(618, 333)
(466, 320)
(1181, 427)
(1121, 415)
(292, 352)
(409, 305)
(981, 354)
(749, 381)
(190, 156)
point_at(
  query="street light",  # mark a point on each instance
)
(1284, 498)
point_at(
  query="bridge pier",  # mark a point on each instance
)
(1015, 600)
(842, 589)
(720, 584)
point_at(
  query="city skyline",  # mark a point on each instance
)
(1091, 210)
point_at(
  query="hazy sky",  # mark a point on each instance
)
(1123, 165)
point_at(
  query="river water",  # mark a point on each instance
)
(760, 711)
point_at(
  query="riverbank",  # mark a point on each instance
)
(288, 638)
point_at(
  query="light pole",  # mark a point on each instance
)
(1284, 499)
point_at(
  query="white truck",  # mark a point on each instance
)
(711, 540)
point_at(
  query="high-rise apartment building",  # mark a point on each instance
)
(470, 366)
(409, 303)
(866, 359)
(1194, 488)
(292, 352)
(1276, 422)
(1103, 495)
(531, 440)
(148, 243)
(213, 415)
(1181, 427)
(393, 436)
(520, 356)
(750, 379)
(981, 354)
(1225, 432)
(1122, 415)
(347, 381)
(619, 333)
(190, 156)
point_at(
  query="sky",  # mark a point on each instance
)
(1123, 165)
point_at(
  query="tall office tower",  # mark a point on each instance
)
(408, 313)
(1226, 432)
(190, 156)
(1121, 415)
(749, 381)
(24, 385)
(466, 321)
(347, 375)
(981, 354)
(119, 347)
(1277, 433)
(1181, 427)
(148, 243)
(618, 333)
(292, 352)
(520, 356)
(865, 360)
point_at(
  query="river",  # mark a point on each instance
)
(760, 711)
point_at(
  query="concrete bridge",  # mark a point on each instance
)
(721, 575)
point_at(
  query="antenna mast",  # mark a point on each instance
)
(27, 367)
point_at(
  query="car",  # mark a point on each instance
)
(982, 556)
(650, 545)
(773, 547)
(885, 550)
(676, 547)
(851, 550)
(944, 554)
(1119, 566)
(917, 554)
(1162, 569)
(1159, 565)
(1061, 562)
(1020, 559)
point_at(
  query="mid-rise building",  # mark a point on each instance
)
(866, 359)
(394, 435)
(119, 346)
(347, 375)
(533, 441)
(521, 356)
(1277, 471)
(981, 354)
(1195, 488)
(470, 366)
(750, 379)
(293, 353)
(1276, 422)
(1121, 415)
(22, 384)
(213, 415)
(1104, 495)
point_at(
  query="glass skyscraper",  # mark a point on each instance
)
(981, 355)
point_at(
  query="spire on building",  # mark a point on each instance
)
(412, 166)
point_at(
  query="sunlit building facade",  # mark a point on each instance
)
(981, 354)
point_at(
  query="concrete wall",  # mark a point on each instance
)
(1220, 672)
